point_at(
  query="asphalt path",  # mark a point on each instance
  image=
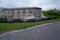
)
(50, 31)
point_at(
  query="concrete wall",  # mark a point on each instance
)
(22, 13)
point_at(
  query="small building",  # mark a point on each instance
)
(23, 14)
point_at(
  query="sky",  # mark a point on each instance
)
(44, 4)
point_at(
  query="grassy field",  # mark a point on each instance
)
(5, 27)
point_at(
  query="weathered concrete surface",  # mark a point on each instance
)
(46, 32)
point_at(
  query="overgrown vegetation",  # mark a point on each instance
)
(3, 20)
(52, 13)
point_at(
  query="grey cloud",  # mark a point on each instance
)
(45, 4)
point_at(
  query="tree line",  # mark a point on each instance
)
(52, 13)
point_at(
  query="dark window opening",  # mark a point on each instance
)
(24, 11)
(30, 11)
(18, 12)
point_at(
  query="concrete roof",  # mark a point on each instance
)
(25, 8)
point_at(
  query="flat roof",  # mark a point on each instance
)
(25, 8)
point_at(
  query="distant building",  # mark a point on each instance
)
(22, 14)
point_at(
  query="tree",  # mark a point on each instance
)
(52, 13)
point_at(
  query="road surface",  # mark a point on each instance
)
(49, 31)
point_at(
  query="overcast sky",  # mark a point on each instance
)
(44, 4)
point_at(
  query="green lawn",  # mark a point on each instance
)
(5, 27)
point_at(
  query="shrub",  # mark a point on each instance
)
(3, 20)
(51, 17)
(52, 13)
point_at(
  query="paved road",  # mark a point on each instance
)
(46, 32)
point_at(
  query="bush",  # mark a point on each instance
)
(52, 13)
(3, 20)
(51, 17)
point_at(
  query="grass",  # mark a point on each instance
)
(5, 27)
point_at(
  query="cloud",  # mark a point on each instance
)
(44, 4)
